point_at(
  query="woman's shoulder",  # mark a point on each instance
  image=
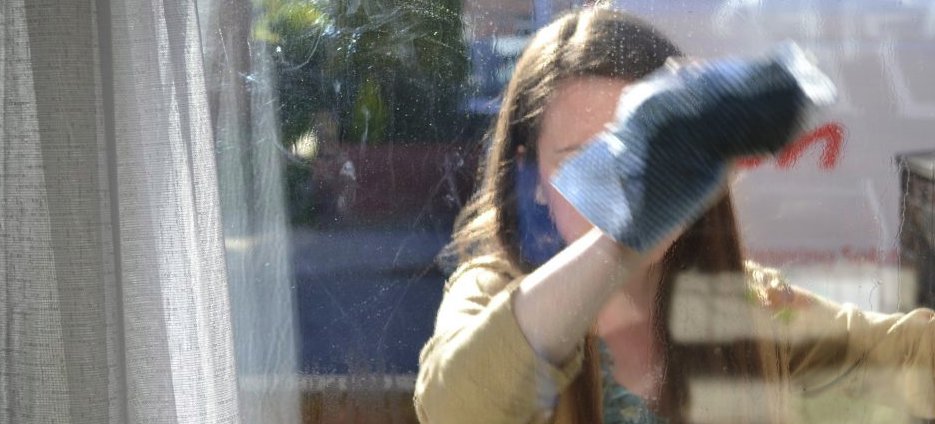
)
(490, 273)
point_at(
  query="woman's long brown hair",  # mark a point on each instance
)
(604, 43)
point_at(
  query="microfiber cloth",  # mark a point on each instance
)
(657, 166)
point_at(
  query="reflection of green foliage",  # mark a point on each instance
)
(785, 315)
(284, 18)
(402, 62)
(369, 118)
(751, 296)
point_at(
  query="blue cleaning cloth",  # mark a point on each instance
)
(657, 166)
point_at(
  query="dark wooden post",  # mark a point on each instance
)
(917, 234)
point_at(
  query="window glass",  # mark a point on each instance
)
(837, 196)
(349, 134)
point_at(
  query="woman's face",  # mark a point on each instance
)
(578, 110)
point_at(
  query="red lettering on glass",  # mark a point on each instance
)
(830, 134)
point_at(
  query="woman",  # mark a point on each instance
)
(601, 333)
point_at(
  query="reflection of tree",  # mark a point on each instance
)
(387, 69)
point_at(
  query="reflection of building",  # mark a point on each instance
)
(496, 18)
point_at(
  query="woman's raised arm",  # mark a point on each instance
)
(504, 348)
(557, 304)
(882, 358)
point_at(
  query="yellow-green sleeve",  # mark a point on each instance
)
(478, 366)
(882, 358)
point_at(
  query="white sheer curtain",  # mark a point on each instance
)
(241, 96)
(114, 304)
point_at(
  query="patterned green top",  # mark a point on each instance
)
(620, 405)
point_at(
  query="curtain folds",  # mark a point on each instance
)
(114, 307)
(242, 99)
